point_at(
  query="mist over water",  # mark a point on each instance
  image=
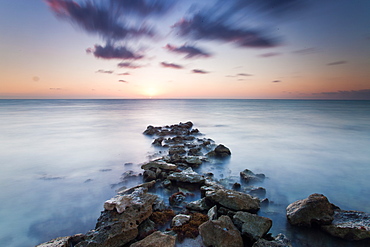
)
(60, 158)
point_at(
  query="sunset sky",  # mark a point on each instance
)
(248, 49)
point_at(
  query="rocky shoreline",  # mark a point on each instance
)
(175, 203)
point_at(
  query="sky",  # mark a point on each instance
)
(235, 49)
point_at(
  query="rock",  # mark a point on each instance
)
(220, 152)
(118, 223)
(252, 226)
(156, 239)
(177, 198)
(234, 200)
(280, 241)
(198, 205)
(145, 228)
(350, 225)
(63, 241)
(220, 233)
(150, 130)
(149, 175)
(236, 186)
(193, 161)
(158, 142)
(249, 176)
(212, 213)
(180, 219)
(187, 176)
(179, 149)
(130, 190)
(159, 164)
(259, 192)
(316, 209)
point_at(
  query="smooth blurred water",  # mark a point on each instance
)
(59, 158)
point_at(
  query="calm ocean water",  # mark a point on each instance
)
(59, 158)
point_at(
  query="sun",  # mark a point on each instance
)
(151, 92)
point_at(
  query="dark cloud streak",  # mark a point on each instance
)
(199, 71)
(190, 51)
(171, 65)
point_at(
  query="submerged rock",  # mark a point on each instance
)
(234, 200)
(220, 152)
(249, 176)
(316, 209)
(156, 239)
(159, 164)
(280, 241)
(252, 226)
(350, 225)
(220, 233)
(187, 176)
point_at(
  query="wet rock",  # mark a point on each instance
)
(149, 175)
(180, 219)
(234, 200)
(150, 130)
(145, 228)
(350, 225)
(236, 186)
(258, 192)
(179, 149)
(193, 161)
(280, 241)
(220, 233)
(118, 223)
(212, 213)
(252, 226)
(220, 151)
(249, 176)
(147, 185)
(187, 176)
(195, 151)
(158, 142)
(177, 198)
(156, 239)
(159, 164)
(159, 205)
(198, 205)
(316, 209)
(63, 241)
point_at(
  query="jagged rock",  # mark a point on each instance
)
(220, 233)
(198, 205)
(280, 241)
(145, 228)
(156, 239)
(180, 219)
(187, 176)
(316, 209)
(212, 213)
(150, 130)
(179, 149)
(259, 192)
(130, 190)
(195, 151)
(177, 198)
(159, 164)
(118, 223)
(252, 226)
(193, 161)
(158, 142)
(350, 225)
(249, 176)
(234, 200)
(149, 175)
(63, 241)
(220, 151)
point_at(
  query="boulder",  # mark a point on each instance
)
(149, 175)
(63, 241)
(130, 190)
(187, 176)
(180, 219)
(249, 176)
(280, 241)
(212, 213)
(316, 209)
(220, 152)
(156, 239)
(159, 164)
(220, 233)
(118, 223)
(158, 142)
(350, 225)
(193, 161)
(252, 226)
(198, 205)
(234, 200)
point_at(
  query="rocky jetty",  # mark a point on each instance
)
(317, 211)
(221, 215)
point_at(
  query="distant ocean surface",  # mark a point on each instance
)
(59, 159)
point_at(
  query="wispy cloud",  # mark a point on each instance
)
(244, 74)
(189, 51)
(126, 73)
(123, 81)
(199, 71)
(276, 81)
(270, 54)
(128, 65)
(337, 63)
(105, 71)
(112, 52)
(171, 65)
(55, 88)
(306, 51)
(363, 94)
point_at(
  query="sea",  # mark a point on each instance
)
(61, 159)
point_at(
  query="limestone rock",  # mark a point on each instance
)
(156, 239)
(63, 241)
(180, 219)
(249, 176)
(316, 209)
(350, 225)
(280, 241)
(220, 233)
(187, 176)
(252, 226)
(198, 205)
(159, 164)
(234, 200)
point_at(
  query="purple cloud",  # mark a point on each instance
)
(126, 73)
(243, 74)
(306, 51)
(190, 51)
(171, 65)
(105, 71)
(203, 27)
(276, 81)
(336, 63)
(111, 52)
(128, 65)
(199, 71)
(270, 54)
(144, 8)
(363, 94)
(123, 81)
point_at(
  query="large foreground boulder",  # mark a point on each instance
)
(156, 239)
(252, 226)
(350, 225)
(118, 223)
(220, 233)
(316, 209)
(234, 200)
